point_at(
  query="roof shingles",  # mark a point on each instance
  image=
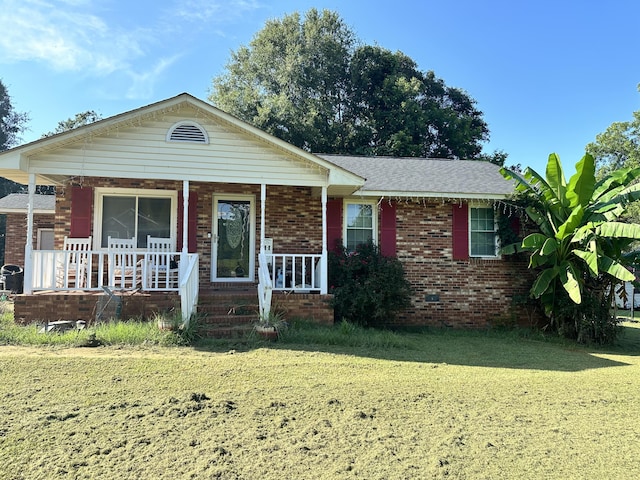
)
(426, 176)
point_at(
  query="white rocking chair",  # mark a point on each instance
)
(162, 271)
(124, 271)
(73, 270)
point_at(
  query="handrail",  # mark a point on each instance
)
(265, 286)
(189, 287)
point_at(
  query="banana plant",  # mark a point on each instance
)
(581, 240)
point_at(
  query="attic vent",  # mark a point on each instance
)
(187, 132)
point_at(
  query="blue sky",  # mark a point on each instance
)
(548, 75)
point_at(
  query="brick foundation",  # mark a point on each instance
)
(313, 307)
(51, 307)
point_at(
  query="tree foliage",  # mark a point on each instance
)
(618, 146)
(79, 120)
(12, 123)
(579, 250)
(310, 82)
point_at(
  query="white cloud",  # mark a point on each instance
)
(66, 37)
(143, 83)
(214, 11)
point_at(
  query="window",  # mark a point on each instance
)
(125, 213)
(482, 230)
(360, 224)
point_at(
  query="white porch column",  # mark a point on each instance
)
(324, 273)
(263, 208)
(185, 223)
(28, 247)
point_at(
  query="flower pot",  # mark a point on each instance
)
(267, 332)
(167, 324)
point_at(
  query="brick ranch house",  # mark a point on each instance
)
(242, 209)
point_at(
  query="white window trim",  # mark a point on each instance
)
(100, 192)
(374, 214)
(495, 231)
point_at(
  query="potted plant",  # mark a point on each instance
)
(269, 326)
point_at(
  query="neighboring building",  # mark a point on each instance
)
(15, 206)
(222, 191)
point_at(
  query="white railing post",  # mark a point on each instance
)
(28, 248)
(324, 261)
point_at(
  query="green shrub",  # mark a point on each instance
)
(590, 322)
(369, 289)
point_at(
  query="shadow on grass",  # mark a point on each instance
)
(496, 349)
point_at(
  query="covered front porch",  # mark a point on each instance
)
(231, 204)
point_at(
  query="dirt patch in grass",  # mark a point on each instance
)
(271, 413)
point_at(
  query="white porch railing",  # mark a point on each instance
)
(150, 271)
(301, 273)
(54, 270)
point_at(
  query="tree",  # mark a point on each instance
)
(309, 82)
(618, 146)
(579, 251)
(12, 123)
(79, 120)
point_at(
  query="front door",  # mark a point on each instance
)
(233, 256)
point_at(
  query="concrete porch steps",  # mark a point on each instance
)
(227, 312)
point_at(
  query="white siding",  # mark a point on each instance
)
(140, 150)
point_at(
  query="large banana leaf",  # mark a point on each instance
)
(616, 269)
(590, 258)
(618, 230)
(569, 279)
(582, 183)
(543, 281)
(622, 176)
(549, 246)
(534, 241)
(555, 179)
(573, 222)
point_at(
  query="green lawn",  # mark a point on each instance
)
(462, 405)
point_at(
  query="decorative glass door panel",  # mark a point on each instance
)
(234, 238)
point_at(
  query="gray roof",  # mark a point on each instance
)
(17, 203)
(426, 177)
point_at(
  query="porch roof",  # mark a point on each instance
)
(426, 177)
(134, 144)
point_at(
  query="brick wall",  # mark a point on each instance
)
(470, 293)
(316, 308)
(49, 307)
(293, 214)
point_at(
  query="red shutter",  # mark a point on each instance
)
(388, 229)
(514, 223)
(81, 203)
(192, 245)
(334, 225)
(460, 231)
